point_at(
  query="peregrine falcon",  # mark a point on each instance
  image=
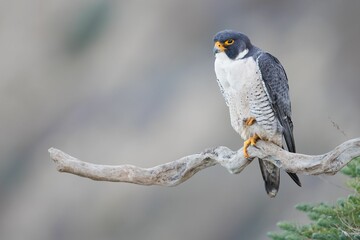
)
(255, 87)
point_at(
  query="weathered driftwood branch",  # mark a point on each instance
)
(176, 172)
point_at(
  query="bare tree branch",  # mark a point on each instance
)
(178, 171)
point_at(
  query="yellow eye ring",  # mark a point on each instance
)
(229, 42)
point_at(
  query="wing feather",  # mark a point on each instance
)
(276, 85)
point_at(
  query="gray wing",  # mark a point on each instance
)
(277, 88)
(276, 85)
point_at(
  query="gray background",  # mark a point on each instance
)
(115, 82)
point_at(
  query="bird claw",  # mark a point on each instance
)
(251, 141)
(249, 121)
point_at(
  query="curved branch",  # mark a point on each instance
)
(178, 171)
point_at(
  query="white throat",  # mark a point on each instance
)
(222, 55)
(242, 54)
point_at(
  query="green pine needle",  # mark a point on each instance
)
(329, 222)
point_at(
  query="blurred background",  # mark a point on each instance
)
(133, 82)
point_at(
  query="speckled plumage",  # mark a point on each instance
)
(255, 85)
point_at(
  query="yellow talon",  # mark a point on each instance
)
(250, 121)
(251, 141)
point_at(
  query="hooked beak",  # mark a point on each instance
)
(218, 47)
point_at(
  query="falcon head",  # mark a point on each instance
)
(233, 44)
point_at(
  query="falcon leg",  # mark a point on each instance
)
(251, 141)
(249, 121)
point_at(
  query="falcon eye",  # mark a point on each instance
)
(229, 42)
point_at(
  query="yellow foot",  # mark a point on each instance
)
(251, 141)
(249, 121)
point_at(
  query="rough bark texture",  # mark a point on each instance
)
(178, 171)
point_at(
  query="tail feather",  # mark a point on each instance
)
(271, 176)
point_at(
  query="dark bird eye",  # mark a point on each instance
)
(229, 41)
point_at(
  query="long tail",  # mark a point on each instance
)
(271, 176)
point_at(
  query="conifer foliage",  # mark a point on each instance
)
(329, 222)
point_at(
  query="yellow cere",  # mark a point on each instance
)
(220, 46)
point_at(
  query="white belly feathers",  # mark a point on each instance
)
(246, 97)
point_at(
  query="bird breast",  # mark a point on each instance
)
(245, 94)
